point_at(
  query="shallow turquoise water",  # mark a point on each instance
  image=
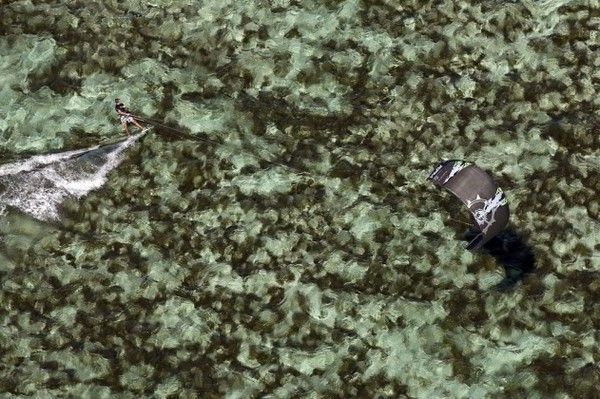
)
(274, 235)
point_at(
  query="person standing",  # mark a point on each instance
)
(125, 116)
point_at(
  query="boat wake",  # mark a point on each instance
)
(39, 185)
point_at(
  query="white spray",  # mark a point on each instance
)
(39, 185)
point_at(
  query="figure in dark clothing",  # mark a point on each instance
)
(125, 116)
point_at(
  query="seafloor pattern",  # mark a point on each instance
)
(289, 245)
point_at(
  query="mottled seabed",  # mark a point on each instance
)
(207, 269)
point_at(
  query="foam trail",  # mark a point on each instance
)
(38, 161)
(39, 185)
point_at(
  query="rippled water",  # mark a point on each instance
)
(274, 235)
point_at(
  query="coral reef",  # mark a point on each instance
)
(287, 243)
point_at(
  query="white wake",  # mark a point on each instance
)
(39, 185)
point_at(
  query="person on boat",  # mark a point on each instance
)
(125, 116)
